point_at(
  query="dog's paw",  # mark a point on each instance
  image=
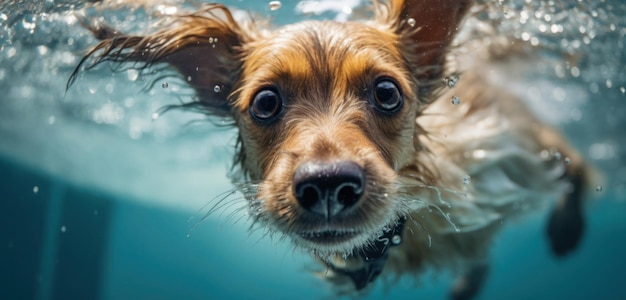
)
(565, 229)
(468, 286)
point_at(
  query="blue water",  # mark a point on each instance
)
(99, 201)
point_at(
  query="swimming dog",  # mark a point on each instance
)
(369, 144)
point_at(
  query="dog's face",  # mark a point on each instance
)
(326, 113)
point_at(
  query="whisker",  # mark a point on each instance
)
(445, 215)
(423, 228)
(236, 211)
(232, 202)
(241, 218)
(220, 195)
(220, 204)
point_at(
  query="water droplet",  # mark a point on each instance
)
(411, 22)
(35, 189)
(165, 85)
(217, 89)
(275, 5)
(568, 161)
(456, 100)
(396, 239)
(63, 228)
(599, 188)
(451, 81)
(467, 179)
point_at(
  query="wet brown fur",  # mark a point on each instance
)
(325, 71)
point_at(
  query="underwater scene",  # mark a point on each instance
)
(105, 193)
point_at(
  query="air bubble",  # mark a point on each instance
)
(164, 85)
(155, 116)
(451, 81)
(189, 78)
(599, 188)
(396, 239)
(456, 100)
(411, 22)
(467, 179)
(217, 89)
(568, 161)
(275, 5)
(35, 189)
(63, 228)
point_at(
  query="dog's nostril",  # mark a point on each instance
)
(327, 188)
(349, 194)
(308, 196)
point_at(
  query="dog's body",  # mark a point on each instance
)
(353, 146)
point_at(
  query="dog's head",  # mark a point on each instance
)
(326, 110)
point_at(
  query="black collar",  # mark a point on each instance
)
(373, 256)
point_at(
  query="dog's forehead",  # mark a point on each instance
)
(320, 55)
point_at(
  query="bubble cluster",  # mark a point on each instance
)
(451, 81)
(455, 100)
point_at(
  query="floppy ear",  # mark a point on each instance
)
(425, 29)
(205, 48)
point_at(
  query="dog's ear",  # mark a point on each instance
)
(205, 48)
(425, 29)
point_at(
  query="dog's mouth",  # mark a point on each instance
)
(328, 237)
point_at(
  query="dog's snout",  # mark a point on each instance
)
(328, 188)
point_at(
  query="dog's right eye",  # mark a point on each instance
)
(266, 105)
(387, 96)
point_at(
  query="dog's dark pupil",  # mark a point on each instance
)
(266, 104)
(387, 95)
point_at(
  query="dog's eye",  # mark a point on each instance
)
(266, 105)
(387, 96)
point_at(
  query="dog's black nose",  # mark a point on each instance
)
(327, 188)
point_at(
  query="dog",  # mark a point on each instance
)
(369, 144)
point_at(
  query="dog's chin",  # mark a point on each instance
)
(336, 241)
(326, 242)
(329, 237)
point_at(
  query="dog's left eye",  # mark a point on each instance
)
(266, 105)
(387, 96)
